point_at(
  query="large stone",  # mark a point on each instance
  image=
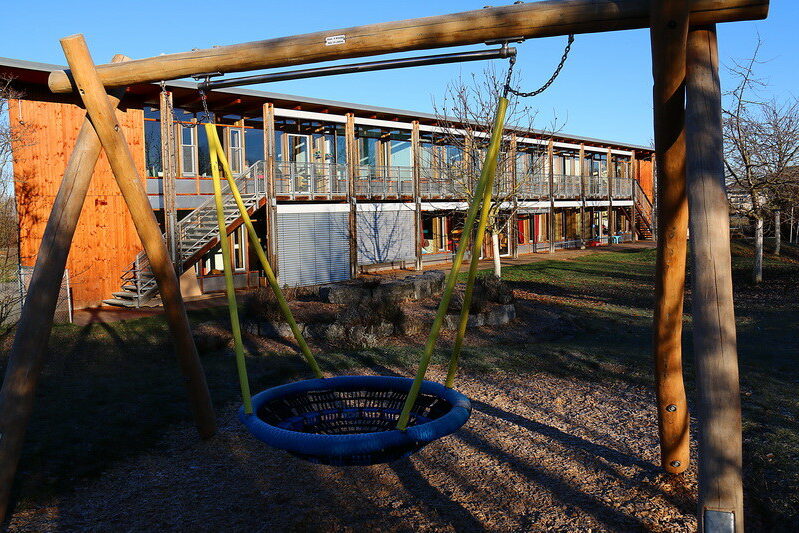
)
(251, 327)
(394, 291)
(438, 277)
(408, 327)
(277, 330)
(500, 315)
(344, 293)
(315, 331)
(475, 321)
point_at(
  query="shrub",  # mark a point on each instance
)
(262, 304)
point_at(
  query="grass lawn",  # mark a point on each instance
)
(110, 390)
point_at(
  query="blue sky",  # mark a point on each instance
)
(604, 91)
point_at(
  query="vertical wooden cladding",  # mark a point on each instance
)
(105, 240)
(646, 177)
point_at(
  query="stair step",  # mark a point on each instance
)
(125, 295)
(120, 303)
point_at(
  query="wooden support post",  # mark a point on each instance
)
(29, 349)
(105, 123)
(352, 168)
(513, 230)
(581, 167)
(669, 34)
(417, 192)
(611, 172)
(715, 350)
(169, 173)
(551, 180)
(270, 204)
(633, 192)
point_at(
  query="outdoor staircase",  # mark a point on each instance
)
(195, 234)
(643, 214)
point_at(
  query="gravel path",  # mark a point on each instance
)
(539, 453)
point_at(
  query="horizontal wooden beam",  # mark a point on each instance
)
(530, 20)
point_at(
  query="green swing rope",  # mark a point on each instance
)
(471, 277)
(484, 187)
(218, 154)
(241, 367)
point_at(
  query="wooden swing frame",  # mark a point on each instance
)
(688, 145)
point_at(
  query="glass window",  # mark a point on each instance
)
(238, 245)
(341, 146)
(253, 146)
(188, 150)
(236, 150)
(152, 147)
(298, 148)
(152, 112)
(454, 154)
(401, 154)
(213, 262)
(204, 152)
(368, 151)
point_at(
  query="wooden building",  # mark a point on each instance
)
(335, 188)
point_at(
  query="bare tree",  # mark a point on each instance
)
(761, 143)
(10, 139)
(466, 116)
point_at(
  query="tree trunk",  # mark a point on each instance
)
(777, 232)
(757, 272)
(495, 253)
(790, 237)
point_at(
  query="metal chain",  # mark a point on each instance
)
(550, 81)
(205, 117)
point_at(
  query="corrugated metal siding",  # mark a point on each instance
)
(385, 236)
(313, 248)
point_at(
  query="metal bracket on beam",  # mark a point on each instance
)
(505, 42)
(718, 521)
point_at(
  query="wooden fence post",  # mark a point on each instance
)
(669, 31)
(633, 190)
(513, 226)
(169, 173)
(611, 173)
(581, 166)
(417, 193)
(715, 350)
(270, 203)
(551, 182)
(352, 201)
(29, 349)
(105, 123)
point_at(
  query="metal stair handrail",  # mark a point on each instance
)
(199, 227)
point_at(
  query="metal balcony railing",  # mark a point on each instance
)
(566, 186)
(383, 181)
(296, 179)
(622, 187)
(596, 186)
(440, 182)
(532, 186)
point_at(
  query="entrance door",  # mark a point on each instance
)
(299, 155)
